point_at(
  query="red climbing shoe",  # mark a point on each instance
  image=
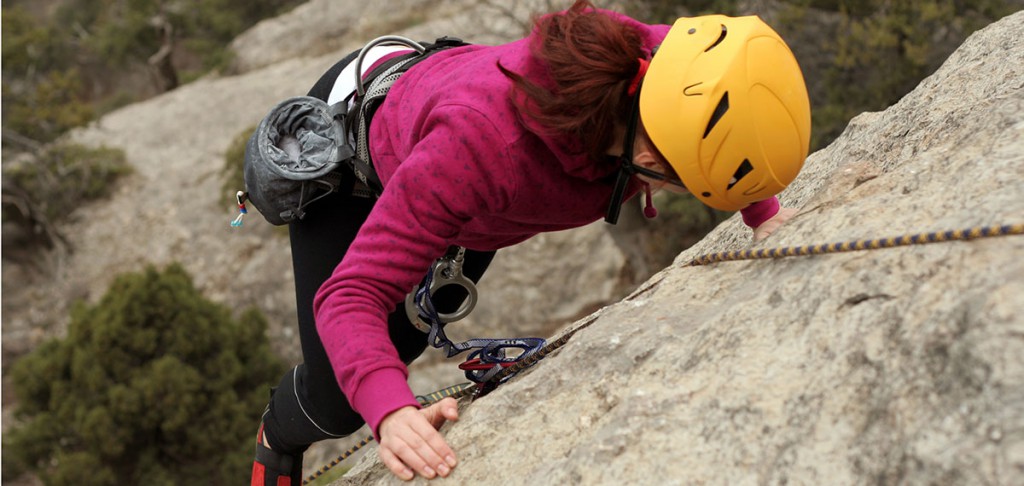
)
(273, 469)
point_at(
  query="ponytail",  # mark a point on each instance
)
(591, 58)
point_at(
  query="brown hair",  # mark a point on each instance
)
(591, 57)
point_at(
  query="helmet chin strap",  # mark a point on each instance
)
(626, 167)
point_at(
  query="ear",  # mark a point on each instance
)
(644, 154)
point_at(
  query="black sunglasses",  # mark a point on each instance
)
(627, 168)
(656, 175)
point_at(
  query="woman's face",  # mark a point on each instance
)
(656, 171)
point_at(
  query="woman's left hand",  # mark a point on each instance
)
(410, 444)
(769, 227)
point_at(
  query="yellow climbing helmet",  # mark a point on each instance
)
(725, 103)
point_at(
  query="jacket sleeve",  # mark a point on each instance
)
(448, 178)
(757, 213)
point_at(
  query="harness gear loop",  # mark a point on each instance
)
(368, 97)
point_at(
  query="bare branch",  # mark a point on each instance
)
(25, 143)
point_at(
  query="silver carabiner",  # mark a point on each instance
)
(444, 272)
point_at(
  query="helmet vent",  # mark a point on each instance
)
(723, 106)
(721, 37)
(744, 169)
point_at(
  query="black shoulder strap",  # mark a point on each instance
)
(380, 80)
(409, 59)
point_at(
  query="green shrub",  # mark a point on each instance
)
(43, 190)
(46, 108)
(152, 385)
(29, 46)
(56, 77)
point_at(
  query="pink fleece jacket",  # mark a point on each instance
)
(459, 168)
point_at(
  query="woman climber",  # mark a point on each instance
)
(485, 146)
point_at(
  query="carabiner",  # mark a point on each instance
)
(445, 271)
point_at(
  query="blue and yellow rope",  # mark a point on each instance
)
(344, 455)
(465, 389)
(864, 244)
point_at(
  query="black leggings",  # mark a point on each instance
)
(308, 405)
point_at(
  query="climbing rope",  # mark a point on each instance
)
(479, 389)
(336, 461)
(865, 244)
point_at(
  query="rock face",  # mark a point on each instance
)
(321, 26)
(900, 365)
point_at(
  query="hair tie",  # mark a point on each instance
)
(640, 72)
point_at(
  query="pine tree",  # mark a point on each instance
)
(152, 385)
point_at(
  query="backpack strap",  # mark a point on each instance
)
(378, 83)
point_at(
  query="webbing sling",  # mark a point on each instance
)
(487, 356)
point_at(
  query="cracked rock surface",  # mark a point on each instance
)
(901, 365)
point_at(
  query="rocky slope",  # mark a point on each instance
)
(890, 366)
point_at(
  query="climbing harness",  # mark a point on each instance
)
(467, 389)
(488, 356)
(369, 96)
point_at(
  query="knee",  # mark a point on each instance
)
(293, 421)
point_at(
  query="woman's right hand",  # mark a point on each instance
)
(411, 444)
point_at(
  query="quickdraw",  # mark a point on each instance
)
(488, 357)
(446, 271)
